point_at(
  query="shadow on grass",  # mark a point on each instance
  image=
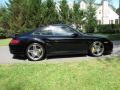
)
(19, 57)
(108, 59)
(66, 56)
(51, 57)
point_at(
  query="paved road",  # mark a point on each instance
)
(7, 58)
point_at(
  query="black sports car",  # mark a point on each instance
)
(58, 39)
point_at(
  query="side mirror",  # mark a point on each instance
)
(74, 35)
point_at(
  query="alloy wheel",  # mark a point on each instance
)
(97, 48)
(35, 52)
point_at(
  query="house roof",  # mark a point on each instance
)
(97, 5)
(84, 1)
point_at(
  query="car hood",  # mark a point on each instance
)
(94, 36)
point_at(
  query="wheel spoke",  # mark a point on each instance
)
(95, 47)
(39, 53)
(30, 51)
(33, 55)
(39, 50)
(34, 47)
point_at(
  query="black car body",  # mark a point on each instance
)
(58, 42)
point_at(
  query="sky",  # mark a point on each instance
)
(114, 2)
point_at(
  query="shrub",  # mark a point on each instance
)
(89, 29)
(3, 33)
(108, 29)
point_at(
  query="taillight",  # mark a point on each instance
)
(15, 42)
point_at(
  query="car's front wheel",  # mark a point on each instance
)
(35, 52)
(97, 49)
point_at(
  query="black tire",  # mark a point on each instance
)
(96, 53)
(41, 57)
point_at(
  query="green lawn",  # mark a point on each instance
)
(4, 42)
(84, 75)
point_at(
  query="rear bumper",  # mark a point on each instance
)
(17, 49)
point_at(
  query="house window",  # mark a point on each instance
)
(116, 21)
(99, 21)
(111, 21)
(99, 12)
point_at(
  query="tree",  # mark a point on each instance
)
(17, 16)
(78, 14)
(118, 12)
(70, 19)
(30, 14)
(4, 17)
(34, 13)
(50, 12)
(64, 11)
(91, 22)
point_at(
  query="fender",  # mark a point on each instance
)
(35, 40)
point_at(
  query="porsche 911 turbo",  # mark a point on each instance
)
(58, 39)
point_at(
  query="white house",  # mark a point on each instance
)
(105, 13)
(83, 5)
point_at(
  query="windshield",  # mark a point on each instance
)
(77, 30)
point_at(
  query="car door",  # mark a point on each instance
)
(66, 40)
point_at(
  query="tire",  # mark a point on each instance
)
(35, 52)
(96, 49)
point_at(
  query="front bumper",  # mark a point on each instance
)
(108, 48)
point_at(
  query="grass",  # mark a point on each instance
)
(85, 75)
(4, 42)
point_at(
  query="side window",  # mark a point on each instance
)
(44, 31)
(55, 31)
(36, 32)
(62, 31)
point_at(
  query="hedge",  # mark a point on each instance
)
(3, 33)
(108, 29)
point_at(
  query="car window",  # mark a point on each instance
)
(55, 31)
(44, 31)
(62, 31)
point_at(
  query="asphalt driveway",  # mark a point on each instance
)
(7, 58)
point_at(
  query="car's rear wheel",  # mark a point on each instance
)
(35, 52)
(97, 49)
